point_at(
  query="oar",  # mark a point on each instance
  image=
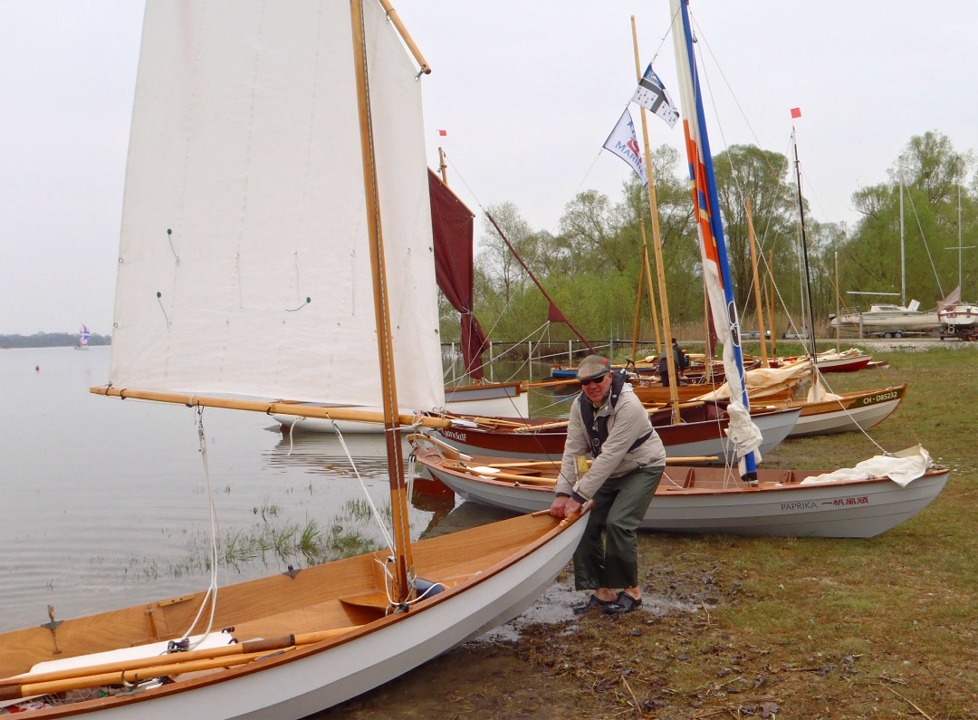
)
(552, 383)
(555, 464)
(149, 672)
(490, 421)
(537, 480)
(650, 408)
(13, 687)
(543, 426)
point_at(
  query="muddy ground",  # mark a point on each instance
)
(550, 663)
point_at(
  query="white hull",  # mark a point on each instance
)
(844, 420)
(775, 427)
(492, 400)
(856, 509)
(890, 319)
(961, 317)
(307, 680)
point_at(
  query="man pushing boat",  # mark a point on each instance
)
(608, 422)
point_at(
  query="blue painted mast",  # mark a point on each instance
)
(716, 226)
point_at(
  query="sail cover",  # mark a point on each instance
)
(244, 266)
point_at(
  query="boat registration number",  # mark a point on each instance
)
(881, 397)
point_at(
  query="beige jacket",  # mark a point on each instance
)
(627, 422)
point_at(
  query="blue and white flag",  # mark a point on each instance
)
(651, 94)
(623, 143)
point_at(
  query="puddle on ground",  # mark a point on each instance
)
(557, 604)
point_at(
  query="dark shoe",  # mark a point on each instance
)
(593, 602)
(625, 603)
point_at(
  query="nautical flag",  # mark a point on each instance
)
(651, 94)
(623, 143)
(795, 112)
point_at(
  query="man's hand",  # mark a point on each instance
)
(564, 506)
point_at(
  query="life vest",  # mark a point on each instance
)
(597, 427)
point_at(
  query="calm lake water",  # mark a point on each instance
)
(105, 501)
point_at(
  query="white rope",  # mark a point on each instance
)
(211, 594)
(394, 605)
(373, 508)
(292, 427)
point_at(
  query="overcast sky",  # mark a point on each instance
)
(527, 91)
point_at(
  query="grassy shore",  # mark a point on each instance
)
(813, 629)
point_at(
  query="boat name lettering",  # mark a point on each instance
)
(861, 500)
(455, 435)
(806, 505)
(891, 395)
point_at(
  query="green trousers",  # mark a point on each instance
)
(608, 553)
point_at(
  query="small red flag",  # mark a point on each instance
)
(442, 133)
(796, 112)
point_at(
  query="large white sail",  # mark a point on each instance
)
(243, 267)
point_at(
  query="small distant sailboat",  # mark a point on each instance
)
(84, 337)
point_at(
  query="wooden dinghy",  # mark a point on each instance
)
(701, 433)
(303, 641)
(784, 503)
(281, 298)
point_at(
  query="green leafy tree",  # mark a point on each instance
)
(929, 178)
(590, 234)
(747, 171)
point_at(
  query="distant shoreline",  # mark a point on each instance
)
(43, 340)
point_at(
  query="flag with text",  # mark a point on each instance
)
(623, 143)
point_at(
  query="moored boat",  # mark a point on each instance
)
(703, 433)
(787, 503)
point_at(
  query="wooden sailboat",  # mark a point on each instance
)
(702, 433)
(706, 435)
(857, 503)
(853, 502)
(243, 161)
(716, 262)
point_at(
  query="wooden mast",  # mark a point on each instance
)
(758, 297)
(645, 278)
(771, 305)
(804, 249)
(657, 244)
(838, 323)
(442, 167)
(385, 347)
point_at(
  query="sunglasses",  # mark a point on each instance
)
(595, 379)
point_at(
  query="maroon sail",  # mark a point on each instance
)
(452, 224)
